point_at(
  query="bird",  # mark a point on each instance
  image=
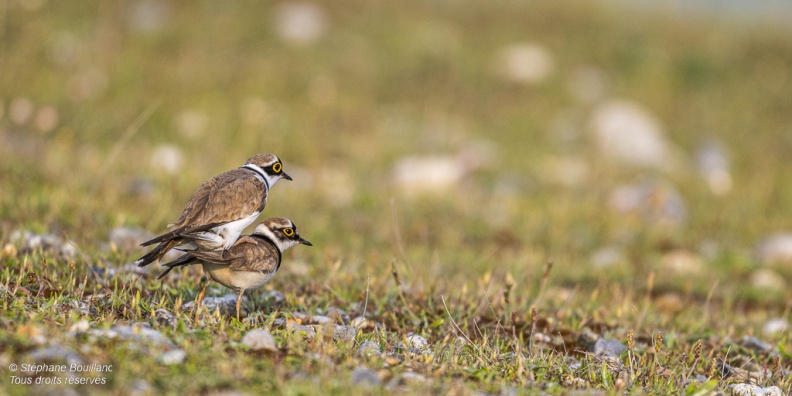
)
(221, 208)
(250, 263)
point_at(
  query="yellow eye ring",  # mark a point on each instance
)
(277, 167)
(288, 232)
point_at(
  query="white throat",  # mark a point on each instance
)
(280, 244)
(261, 175)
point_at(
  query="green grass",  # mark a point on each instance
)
(386, 81)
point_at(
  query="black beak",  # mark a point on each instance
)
(305, 242)
(285, 176)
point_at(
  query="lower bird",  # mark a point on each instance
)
(250, 263)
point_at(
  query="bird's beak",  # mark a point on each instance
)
(285, 176)
(305, 242)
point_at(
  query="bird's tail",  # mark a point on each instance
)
(185, 259)
(156, 253)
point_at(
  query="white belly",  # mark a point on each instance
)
(224, 236)
(236, 280)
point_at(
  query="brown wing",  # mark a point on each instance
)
(227, 197)
(249, 254)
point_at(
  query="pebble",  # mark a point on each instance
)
(416, 341)
(753, 390)
(755, 344)
(405, 379)
(628, 133)
(652, 200)
(775, 249)
(165, 318)
(611, 348)
(359, 322)
(273, 298)
(321, 320)
(29, 241)
(138, 332)
(775, 326)
(429, 174)
(337, 314)
(682, 262)
(127, 239)
(364, 376)
(768, 280)
(344, 333)
(369, 348)
(300, 22)
(713, 165)
(524, 63)
(608, 256)
(80, 327)
(176, 356)
(260, 340)
(55, 354)
(226, 304)
(304, 331)
(168, 158)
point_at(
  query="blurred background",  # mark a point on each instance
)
(462, 140)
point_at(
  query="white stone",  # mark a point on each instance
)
(168, 158)
(775, 249)
(713, 165)
(176, 356)
(259, 340)
(524, 63)
(768, 280)
(775, 326)
(753, 390)
(20, 110)
(628, 133)
(300, 22)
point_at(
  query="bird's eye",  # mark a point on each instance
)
(288, 232)
(277, 167)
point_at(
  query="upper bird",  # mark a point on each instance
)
(221, 208)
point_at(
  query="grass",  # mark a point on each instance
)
(504, 261)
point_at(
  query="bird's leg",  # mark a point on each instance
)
(202, 294)
(239, 301)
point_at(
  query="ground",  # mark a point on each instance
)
(504, 198)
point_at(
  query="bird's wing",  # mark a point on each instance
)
(260, 256)
(227, 197)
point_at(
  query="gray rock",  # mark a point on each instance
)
(55, 354)
(405, 379)
(652, 200)
(165, 318)
(176, 356)
(755, 344)
(369, 348)
(307, 332)
(127, 239)
(359, 322)
(80, 327)
(364, 376)
(344, 333)
(416, 341)
(337, 314)
(775, 326)
(775, 249)
(260, 340)
(140, 333)
(752, 390)
(273, 298)
(226, 304)
(321, 320)
(611, 348)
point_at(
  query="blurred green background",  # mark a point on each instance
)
(458, 139)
